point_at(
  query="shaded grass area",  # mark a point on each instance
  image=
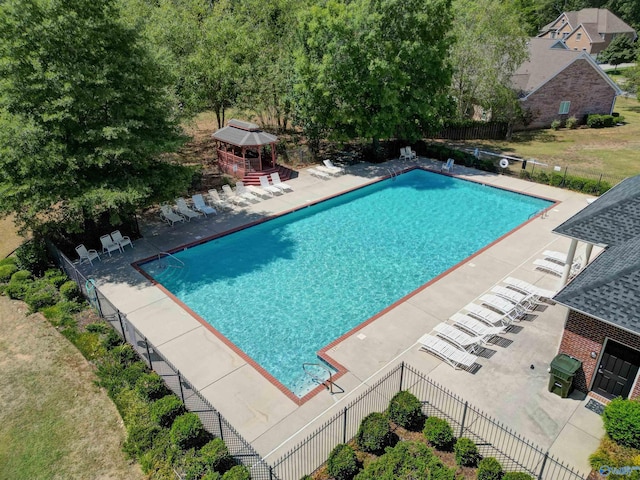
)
(54, 422)
(615, 151)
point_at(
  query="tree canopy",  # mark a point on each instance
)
(84, 115)
(620, 50)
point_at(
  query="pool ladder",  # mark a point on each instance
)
(167, 265)
(544, 213)
(328, 384)
(392, 173)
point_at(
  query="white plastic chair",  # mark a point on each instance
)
(184, 210)
(449, 165)
(458, 359)
(275, 180)
(329, 164)
(87, 255)
(108, 245)
(264, 184)
(169, 216)
(120, 239)
(201, 206)
(218, 201)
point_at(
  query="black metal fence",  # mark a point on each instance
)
(494, 439)
(478, 130)
(212, 420)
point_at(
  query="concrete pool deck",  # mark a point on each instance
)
(505, 387)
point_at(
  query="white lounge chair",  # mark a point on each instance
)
(490, 317)
(184, 210)
(329, 164)
(524, 300)
(87, 255)
(502, 305)
(411, 153)
(448, 166)
(404, 154)
(453, 356)
(108, 245)
(319, 173)
(554, 256)
(120, 239)
(260, 192)
(275, 180)
(233, 197)
(328, 171)
(200, 205)
(265, 185)
(242, 191)
(526, 287)
(459, 338)
(476, 327)
(217, 201)
(169, 216)
(556, 268)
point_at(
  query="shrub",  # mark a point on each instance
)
(150, 386)
(517, 476)
(466, 453)
(239, 472)
(16, 290)
(32, 256)
(342, 463)
(140, 437)
(70, 291)
(601, 121)
(88, 343)
(60, 314)
(41, 295)
(9, 261)
(489, 469)
(572, 122)
(438, 432)
(216, 455)
(187, 431)
(622, 422)
(6, 271)
(166, 409)
(373, 433)
(55, 277)
(22, 276)
(556, 124)
(405, 410)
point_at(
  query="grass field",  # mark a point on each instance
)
(615, 151)
(54, 422)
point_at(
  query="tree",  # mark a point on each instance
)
(84, 116)
(373, 68)
(620, 50)
(485, 56)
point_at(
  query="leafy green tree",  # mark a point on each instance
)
(485, 55)
(620, 50)
(373, 68)
(84, 116)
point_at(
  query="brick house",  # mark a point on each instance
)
(602, 328)
(556, 83)
(590, 30)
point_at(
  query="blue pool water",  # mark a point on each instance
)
(284, 289)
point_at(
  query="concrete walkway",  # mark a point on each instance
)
(511, 384)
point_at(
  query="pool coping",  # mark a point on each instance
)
(322, 353)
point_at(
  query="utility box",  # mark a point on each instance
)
(563, 369)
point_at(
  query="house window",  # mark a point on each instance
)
(578, 36)
(564, 107)
(553, 34)
(565, 35)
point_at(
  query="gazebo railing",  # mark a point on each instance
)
(235, 165)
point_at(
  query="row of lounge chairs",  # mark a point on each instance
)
(326, 171)
(111, 242)
(555, 262)
(478, 322)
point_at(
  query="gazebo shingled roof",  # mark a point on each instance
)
(244, 134)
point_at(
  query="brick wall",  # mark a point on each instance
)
(580, 84)
(583, 335)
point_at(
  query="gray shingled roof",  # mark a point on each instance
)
(609, 287)
(244, 134)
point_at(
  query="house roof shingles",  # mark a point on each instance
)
(603, 21)
(609, 287)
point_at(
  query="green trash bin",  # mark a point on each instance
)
(563, 369)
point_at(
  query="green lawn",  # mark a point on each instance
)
(613, 151)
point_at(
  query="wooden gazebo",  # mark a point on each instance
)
(243, 147)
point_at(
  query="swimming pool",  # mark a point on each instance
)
(283, 289)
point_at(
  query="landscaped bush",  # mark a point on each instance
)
(41, 295)
(516, 476)
(466, 452)
(622, 422)
(165, 410)
(373, 434)
(413, 459)
(601, 121)
(239, 472)
(216, 455)
(22, 276)
(140, 437)
(489, 469)
(32, 256)
(572, 122)
(342, 463)
(55, 277)
(9, 261)
(612, 454)
(16, 290)
(556, 124)
(70, 291)
(6, 271)
(187, 431)
(438, 432)
(405, 410)
(151, 387)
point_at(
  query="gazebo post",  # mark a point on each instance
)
(273, 155)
